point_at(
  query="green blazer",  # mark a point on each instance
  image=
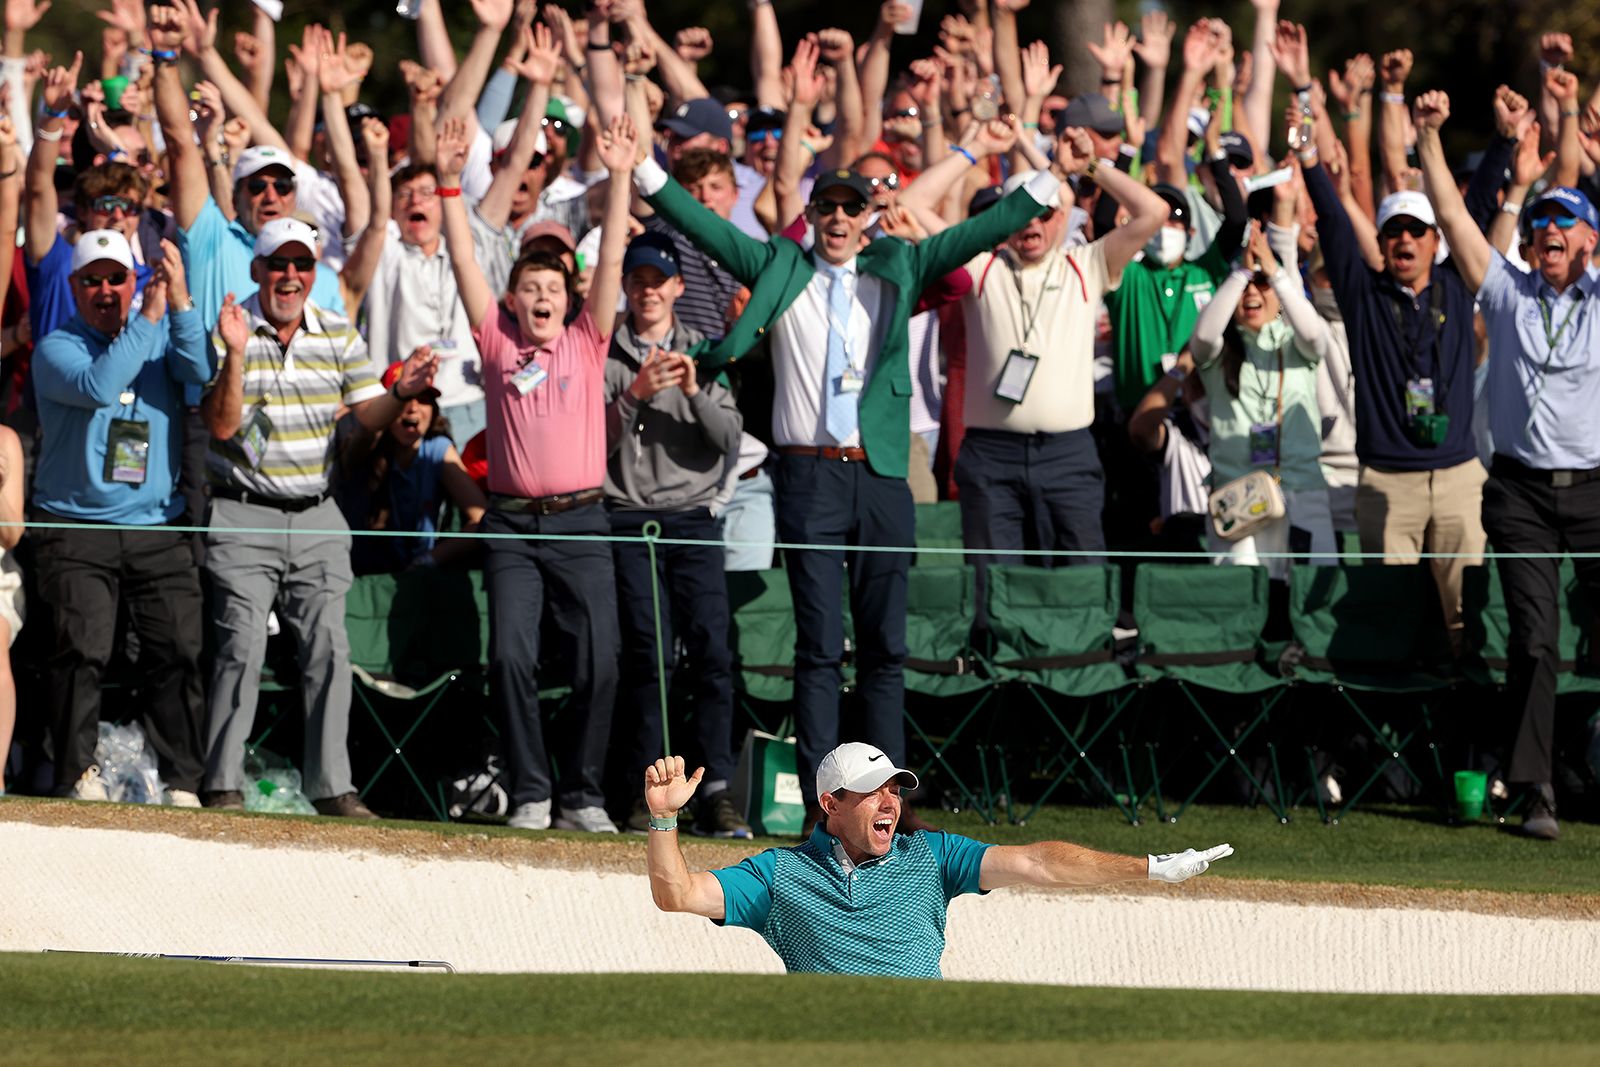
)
(778, 270)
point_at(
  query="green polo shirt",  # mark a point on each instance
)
(1153, 313)
(884, 917)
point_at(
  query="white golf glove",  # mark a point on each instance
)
(1181, 866)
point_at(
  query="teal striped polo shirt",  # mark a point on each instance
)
(885, 917)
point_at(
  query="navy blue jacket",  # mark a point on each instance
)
(1393, 338)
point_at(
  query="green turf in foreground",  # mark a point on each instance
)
(72, 1010)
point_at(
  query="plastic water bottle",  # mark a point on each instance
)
(408, 9)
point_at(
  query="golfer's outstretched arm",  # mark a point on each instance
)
(672, 885)
(1061, 864)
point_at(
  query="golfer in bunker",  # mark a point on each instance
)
(858, 898)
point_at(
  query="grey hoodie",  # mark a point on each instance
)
(667, 453)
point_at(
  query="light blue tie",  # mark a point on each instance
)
(839, 407)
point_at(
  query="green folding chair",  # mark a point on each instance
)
(413, 635)
(1200, 634)
(938, 526)
(1050, 633)
(761, 637)
(941, 668)
(1373, 636)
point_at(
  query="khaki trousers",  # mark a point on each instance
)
(1405, 513)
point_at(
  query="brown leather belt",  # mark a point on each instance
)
(547, 505)
(751, 473)
(845, 455)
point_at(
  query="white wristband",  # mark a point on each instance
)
(1512, 207)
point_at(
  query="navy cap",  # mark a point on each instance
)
(651, 250)
(842, 179)
(1571, 202)
(694, 117)
(1238, 149)
(1176, 200)
(1091, 111)
(765, 118)
(983, 200)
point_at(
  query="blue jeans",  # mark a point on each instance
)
(748, 518)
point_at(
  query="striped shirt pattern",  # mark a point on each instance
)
(301, 389)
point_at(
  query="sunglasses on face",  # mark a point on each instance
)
(1259, 280)
(1049, 213)
(92, 281)
(908, 113)
(890, 181)
(757, 136)
(110, 204)
(555, 126)
(1415, 227)
(1562, 221)
(825, 208)
(303, 264)
(257, 186)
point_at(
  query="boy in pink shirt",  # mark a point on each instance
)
(543, 382)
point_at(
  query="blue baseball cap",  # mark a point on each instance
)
(651, 250)
(1571, 202)
(694, 117)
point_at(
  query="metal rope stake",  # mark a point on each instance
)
(652, 530)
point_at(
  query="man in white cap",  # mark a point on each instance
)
(275, 535)
(1028, 470)
(1413, 353)
(856, 897)
(110, 385)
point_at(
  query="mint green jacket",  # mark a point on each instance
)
(778, 270)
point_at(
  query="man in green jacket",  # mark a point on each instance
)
(837, 313)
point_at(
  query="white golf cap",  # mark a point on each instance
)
(279, 232)
(860, 768)
(1019, 179)
(1407, 203)
(506, 132)
(260, 157)
(97, 245)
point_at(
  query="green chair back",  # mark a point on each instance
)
(762, 633)
(938, 526)
(1374, 627)
(1052, 627)
(1202, 625)
(940, 604)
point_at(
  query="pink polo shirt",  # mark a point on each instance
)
(553, 439)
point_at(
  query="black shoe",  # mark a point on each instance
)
(223, 799)
(344, 806)
(719, 818)
(813, 816)
(1540, 821)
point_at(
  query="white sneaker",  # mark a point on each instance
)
(534, 815)
(589, 820)
(182, 798)
(90, 786)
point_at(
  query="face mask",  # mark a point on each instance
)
(1167, 246)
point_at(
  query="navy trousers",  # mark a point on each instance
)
(1031, 491)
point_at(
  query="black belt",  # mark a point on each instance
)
(277, 503)
(1506, 467)
(547, 505)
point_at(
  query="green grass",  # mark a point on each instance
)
(73, 1010)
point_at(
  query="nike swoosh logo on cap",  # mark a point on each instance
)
(874, 759)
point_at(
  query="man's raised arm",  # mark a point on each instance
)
(185, 167)
(1468, 246)
(672, 885)
(1061, 864)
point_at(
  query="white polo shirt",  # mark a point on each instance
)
(1049, 311)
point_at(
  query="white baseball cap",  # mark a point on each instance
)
(260, 157)
(506, 132)
(279, 232)
(1408, 203)
(1019, 179)
(860, 768)
(97, 245)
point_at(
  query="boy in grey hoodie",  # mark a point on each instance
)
(668, 436)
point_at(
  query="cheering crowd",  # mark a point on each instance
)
(569, 290)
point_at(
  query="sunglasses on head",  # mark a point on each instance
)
(93, 281)
(890, 181)
(828, 207)
(303, 264)
(109, 204)
(1562, 221)
(1395, 227)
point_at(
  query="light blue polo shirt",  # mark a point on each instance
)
(218, 254)
(1543, 400)
(886, 917)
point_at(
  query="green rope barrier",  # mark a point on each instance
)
(651, 531)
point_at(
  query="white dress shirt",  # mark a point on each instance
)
(800, 355)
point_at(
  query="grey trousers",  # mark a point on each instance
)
(257, 556)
